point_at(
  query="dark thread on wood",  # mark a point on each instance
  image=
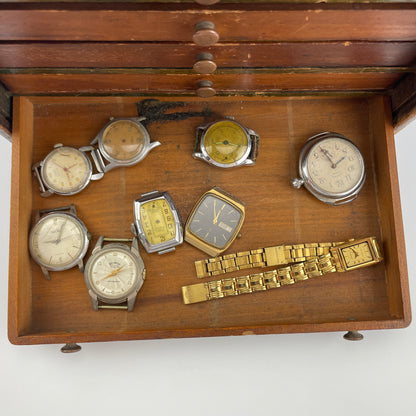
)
(157, 111)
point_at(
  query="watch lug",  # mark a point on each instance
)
(152, 145)
(198, 156)
(94, 300)
(45, 273)
(133, 229)
(81, 266)
(131, 301)
(98, 245)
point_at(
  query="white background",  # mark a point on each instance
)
(302, 374)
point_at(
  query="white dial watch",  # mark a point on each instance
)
(59, 240)
(332, 168)
(114, 273)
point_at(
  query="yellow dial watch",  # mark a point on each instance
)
(338, 257)
(215, 221)
(226, 144)
(157, 222)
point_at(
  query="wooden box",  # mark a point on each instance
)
(285, 70)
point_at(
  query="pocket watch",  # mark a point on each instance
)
(215, 221)
(226, 144)
(65, 171)
(123, 142)
(114, 273)
(59, 240)
(157, 222)
(332, 168)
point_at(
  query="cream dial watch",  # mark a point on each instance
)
(59, 240)
(122, 142)
(332, 168)
(65, 171)
(114, 273)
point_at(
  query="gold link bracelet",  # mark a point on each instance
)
(339, 258)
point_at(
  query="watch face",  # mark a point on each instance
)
(215, 221)
(66, 170)
(157, 221)
(335, 166)
(58, 241)
(226, 142)
(357, 254)
(112, 273)
(123, 140)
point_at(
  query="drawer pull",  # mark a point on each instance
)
(204, 64)
(205, 34)
(205, 89)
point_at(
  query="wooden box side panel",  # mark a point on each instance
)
(385, 167)
(20, 278)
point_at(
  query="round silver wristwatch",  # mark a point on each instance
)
(123, 142)
(114, 273)
(59, 240)
(66, 170)
(332, 168)
(157, 222)
(226, 144)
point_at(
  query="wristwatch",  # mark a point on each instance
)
(114, 273)
(157, 222)
(226, 144)
(215, 221)
(59, 240)
(340, 257)
(66, 170)
(122, 142)
(332, 168)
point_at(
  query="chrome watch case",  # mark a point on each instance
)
(69, 213)
(212, 228)
(138, 229)
(332, 198)
(248, 158)
(47, 189)
(128, 299)
(106, 160)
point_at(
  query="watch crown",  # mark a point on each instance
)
(297, 182)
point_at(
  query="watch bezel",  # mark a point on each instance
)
(333, 198)
(76, 260)
(137, 260)
(113, 162)
(203, 154)
(196, 240)
(166, 246)
(50, 187)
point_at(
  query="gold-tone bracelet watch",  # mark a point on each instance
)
(339, 257)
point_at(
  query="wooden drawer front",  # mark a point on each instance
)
(223, 81)
(59, 310)
(245, 23)
(183, 55)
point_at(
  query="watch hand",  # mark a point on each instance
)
(60, 232)
(340, 160)
(218, 214)
(113, 273)
(226, 142)
(327, 154)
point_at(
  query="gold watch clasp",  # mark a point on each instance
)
(275, 255)
(355, 254)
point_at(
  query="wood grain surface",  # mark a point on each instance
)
(59, 310)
